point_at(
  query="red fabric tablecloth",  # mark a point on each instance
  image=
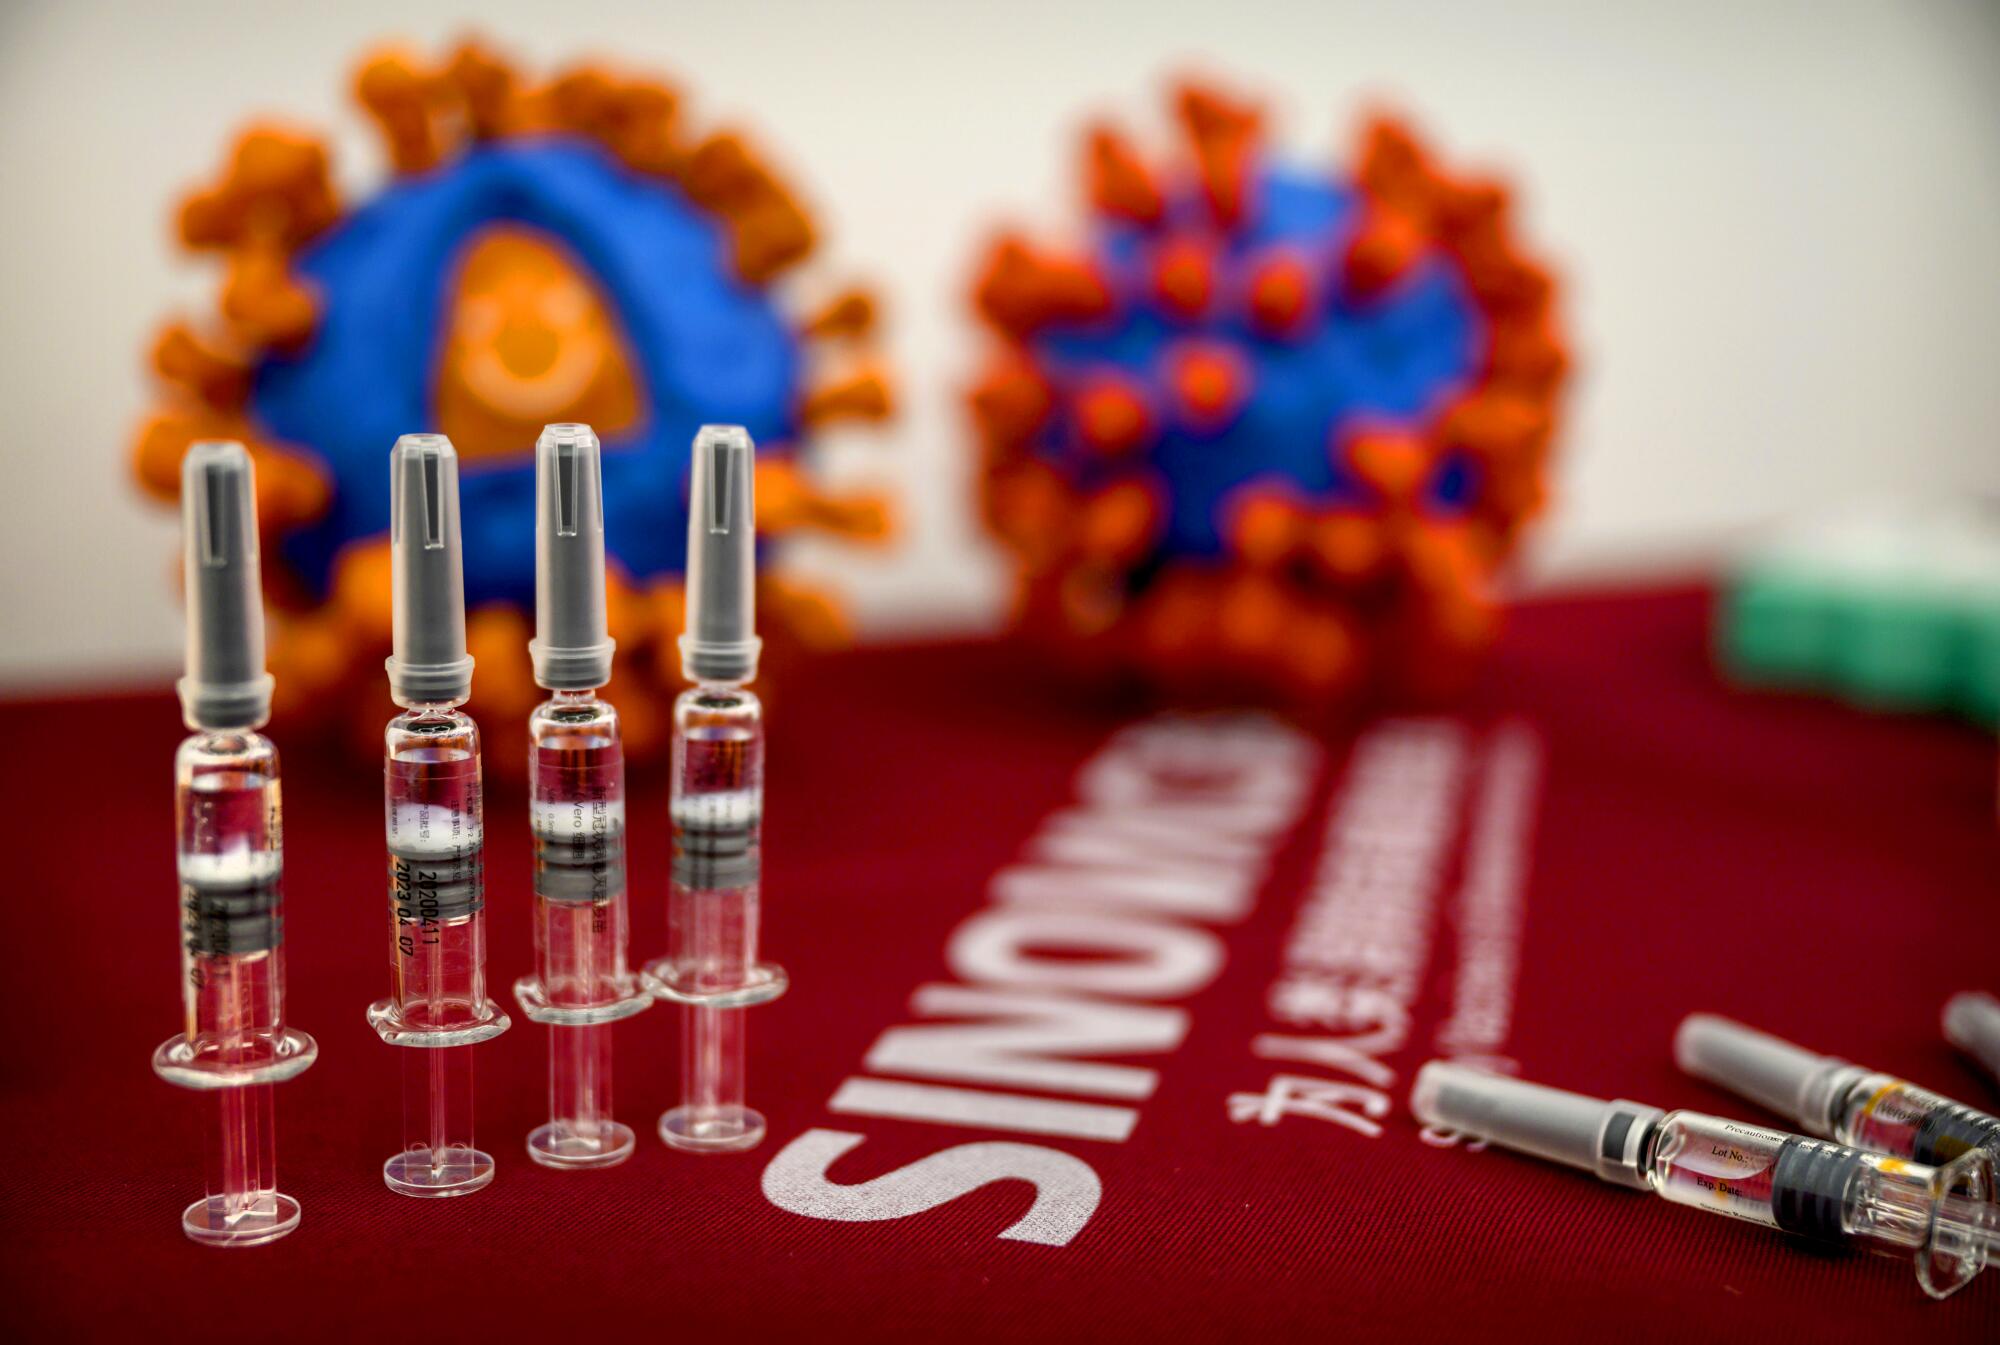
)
(1601, 841)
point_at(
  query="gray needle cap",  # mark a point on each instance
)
(1770, 1071)
(1607, 1138)
(226, 686)
(430, 664)
(1972, 1024)
(571, 649)
(721, 642)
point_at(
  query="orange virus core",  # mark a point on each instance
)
(529, 342)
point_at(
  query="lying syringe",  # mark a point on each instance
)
(1944, 1219)
(1829, 1097)
(711, 967)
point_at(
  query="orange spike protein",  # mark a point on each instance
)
(1336, 391)
(1111, 415)
(541, 253)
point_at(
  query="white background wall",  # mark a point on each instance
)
(1779, 223)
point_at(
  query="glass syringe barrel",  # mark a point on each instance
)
(230, 861)
(581, 985)
(1944, 1219)
(712, 916)
(434, 828)
(1829, 1097)
(235, 1044)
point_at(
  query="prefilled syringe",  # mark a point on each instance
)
(235, 1045)
(438, 1007)
(1826, 1096)
(1972, 1024)
(576, 814)
(1943, 1219)
(711, 967)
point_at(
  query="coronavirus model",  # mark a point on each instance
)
(1273, 432)
(569, 252)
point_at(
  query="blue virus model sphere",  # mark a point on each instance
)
(558, 253)
(1274, 432)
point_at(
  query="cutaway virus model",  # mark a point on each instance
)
(1274, 433)
(571, 252)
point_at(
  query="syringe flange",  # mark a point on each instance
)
(386, 1017)
(534, 1002)
(764, 982)
(1962, 1234)
(182, 1064)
